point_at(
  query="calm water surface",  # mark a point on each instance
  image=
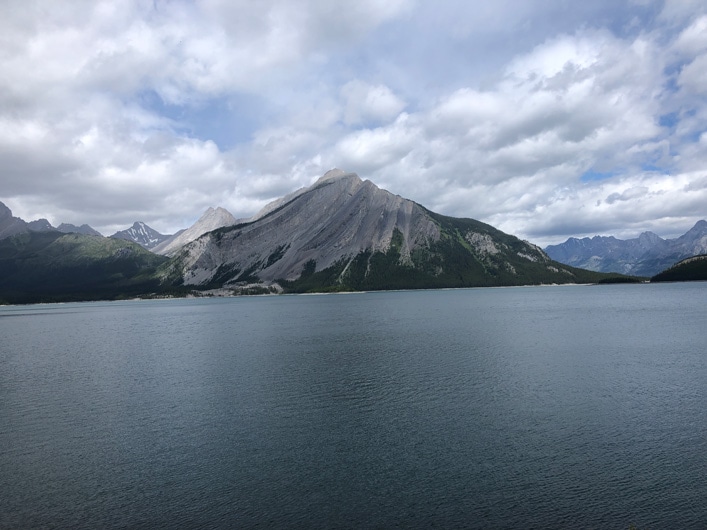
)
(563, 407)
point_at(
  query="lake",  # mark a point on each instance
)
(535, 407)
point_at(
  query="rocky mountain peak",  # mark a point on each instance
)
(211, 219)
(334, 174)
(217, 217)
(9, 225)
(40, 225)
(698, 230)
(5, 212)
(648, 240)
(141, 234)
(694, 241)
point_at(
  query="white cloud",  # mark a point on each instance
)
(513, 154)
(677, 11)
(693, 39)
(368, 103)
(693, 77)
(494, 112)
(630, 194)
(371, 149)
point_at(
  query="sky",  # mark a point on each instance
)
(544, 118)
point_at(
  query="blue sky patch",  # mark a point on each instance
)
(594, 176)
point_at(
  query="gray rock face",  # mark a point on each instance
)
(645, 255)
(210, 220)
(335, 219)
(694, 241)
(141, 234)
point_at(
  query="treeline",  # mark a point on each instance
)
(687, 270)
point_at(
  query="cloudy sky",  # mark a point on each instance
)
(544, 118)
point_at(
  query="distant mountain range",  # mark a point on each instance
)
(10, 225)
(139, 232)
(646, 255)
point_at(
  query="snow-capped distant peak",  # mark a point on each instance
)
(141, 234)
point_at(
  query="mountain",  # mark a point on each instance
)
(10, 225)
(645, 255)
(340, 234)
(344, 233)
(141, 234)
(210, 220)
(687, 270)
(694, 241)
(84, 229)
(52, 266)
(40, 225)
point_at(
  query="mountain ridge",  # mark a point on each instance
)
(10, 225)
(68, 228)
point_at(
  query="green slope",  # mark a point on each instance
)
(52, 267)
(687, 270)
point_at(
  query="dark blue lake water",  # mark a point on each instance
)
(540, 407)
